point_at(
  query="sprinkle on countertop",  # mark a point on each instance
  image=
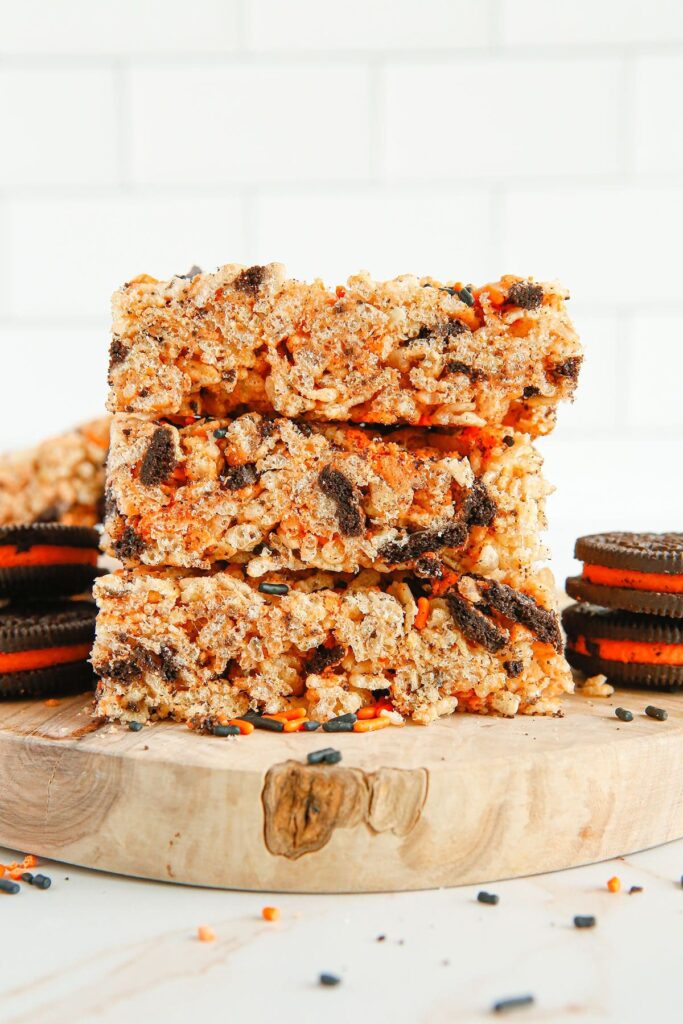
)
(328, 755)
(584, 921)
(659, 713)
(329, 980)
(614, 884)
(270, 914)
(634, 889)
(8, 886)
(135, 726)
(515, 1003)
(343, 723)
(488, 897)
(269, 724)
(206, 934)
(41, 882)
(623, 714)
(275, 589)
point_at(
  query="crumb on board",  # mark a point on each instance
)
(596, 686)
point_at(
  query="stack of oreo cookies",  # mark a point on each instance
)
(628, 622)
(46, 633)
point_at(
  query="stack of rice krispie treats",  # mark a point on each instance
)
(325, 497)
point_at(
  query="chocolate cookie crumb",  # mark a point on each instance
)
(479, 508)
(569, 369)
(454, 535)
(250, 280)
(519, 607)
(339, 488)
(474, 625)
(324, 657)
(513, 668)
(130, 545)
(160, 458)
(429, 567)
(530, 391)
(236, 477)
(525, 295)
(455, 366)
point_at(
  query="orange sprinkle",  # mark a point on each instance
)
(244, 727)
(288, 716)
(270, 914)
(422, 613)
(295, 725)
(614, 884)
(51, 703)
(206, 934)
(372, 725)
(363, 714)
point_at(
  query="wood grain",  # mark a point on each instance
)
(466, 800)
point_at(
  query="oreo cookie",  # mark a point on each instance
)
(630, 649)
(638, 572)
(44, 649)
(47, 560)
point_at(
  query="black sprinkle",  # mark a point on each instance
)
(381, 938)
(41, 881)
(135, 726)
(268, 724)
(276, 589)
(221, 433)
(8, 886)
(342, 724)
(515, 1003)
(623, 714)
(634, 889)
(310, 726)
(27, 877)
(328, 755)
(465, 295)
(330, 980)
(225, 730)
(659, 713)
(587, 921)
(488, 897)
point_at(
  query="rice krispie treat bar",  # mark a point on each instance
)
(276, 494)
(409, 350)
(61, 480)
(204, 648)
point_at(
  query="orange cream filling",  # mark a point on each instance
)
(666, 583)
(24, 661)
(46, 554)
(638, 652)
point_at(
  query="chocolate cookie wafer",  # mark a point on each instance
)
(637, 572)
(47, 560)
(44, 649)
(630, 649)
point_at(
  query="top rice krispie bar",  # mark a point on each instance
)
(410, 350)
(61, 480)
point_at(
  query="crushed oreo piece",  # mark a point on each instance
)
(454, 327)
(514, 667)
(474, 625)
(530, 391)
(120, 671)
(118, 353)
(522, 608)
(429, 567)
(454, 535)
(474, 374)
(169, 667)
(341, 491)
(324, 657)
(508, 440)
(235, 477)
(250, 280)
(569, 369)
(305, 429)
(525, 295)
(129, 546)
(160, 458)
(479, 508)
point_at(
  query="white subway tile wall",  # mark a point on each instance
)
(460, 138)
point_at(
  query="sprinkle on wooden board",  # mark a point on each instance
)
(614, 884)
(371, 725)
(206, 934)
(514, 1003)
(270, 914)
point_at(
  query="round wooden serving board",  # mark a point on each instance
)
(466, 800)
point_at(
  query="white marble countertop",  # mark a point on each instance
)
(96, 947)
